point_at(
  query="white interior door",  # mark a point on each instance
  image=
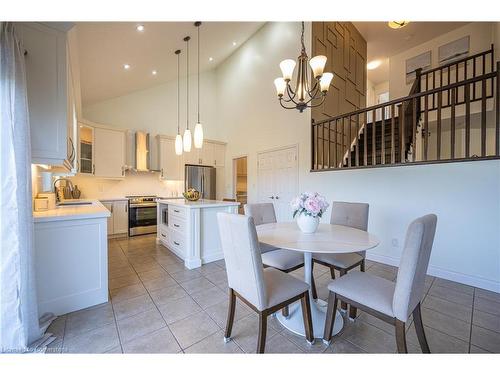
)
(278, 180)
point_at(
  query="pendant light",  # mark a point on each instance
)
(178, 138)
(187, 133)
(198, 129)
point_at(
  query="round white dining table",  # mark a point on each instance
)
(328, 238)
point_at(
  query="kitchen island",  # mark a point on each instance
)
(190, 229)
(71, 256)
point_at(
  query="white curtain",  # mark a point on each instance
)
(20, 330)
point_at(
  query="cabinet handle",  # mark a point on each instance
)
(271, 197)
(126, 208)
(176, 211)
(176, 225)
(93, 169)
(277, 197)
(177, 243)
(163, 235)
(162, 172)
(111, 208)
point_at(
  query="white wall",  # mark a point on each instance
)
(465, 196)
(481, 37)
(155, 109)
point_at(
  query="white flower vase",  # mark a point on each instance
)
(307, 224)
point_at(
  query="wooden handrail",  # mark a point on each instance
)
(409, 97)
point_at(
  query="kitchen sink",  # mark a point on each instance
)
(73, 203)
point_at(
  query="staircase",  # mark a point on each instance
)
(388, 150)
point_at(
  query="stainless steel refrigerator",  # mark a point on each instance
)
(202, 179)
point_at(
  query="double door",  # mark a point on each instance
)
(278, 180)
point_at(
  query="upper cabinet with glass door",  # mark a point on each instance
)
(86, 160)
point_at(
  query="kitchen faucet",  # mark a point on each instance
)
(68, 182)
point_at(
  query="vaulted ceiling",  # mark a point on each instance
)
(104, 48)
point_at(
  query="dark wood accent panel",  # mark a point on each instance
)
(345, 50)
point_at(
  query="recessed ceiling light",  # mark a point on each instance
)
(397, 24)
(210, 59)
(234, 43)
(373, 64)
(140, 28)
(126, 66)
(154, 72)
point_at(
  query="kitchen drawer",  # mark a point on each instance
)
(177, 211)
(177, 224)
(178, 241)
(163, 234)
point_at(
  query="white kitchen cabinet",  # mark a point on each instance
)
(120, 217)
(47, 80)
(109, 153)
(219, 154)
(169, 162)
(71, 262)
(208, 154)
(118, 221)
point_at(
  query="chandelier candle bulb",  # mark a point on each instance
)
(325, 81)
(287, 67)
(317, 64)
(280, 84)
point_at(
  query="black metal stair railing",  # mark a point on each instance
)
(455, 121)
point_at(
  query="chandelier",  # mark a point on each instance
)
(303, 95)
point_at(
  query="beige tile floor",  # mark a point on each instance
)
(158, 306)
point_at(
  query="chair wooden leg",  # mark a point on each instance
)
(419, 328)
(261, 343)
(362, 266)
(330, 317)
(343, 305)
(230, 315)
(401, 337)
(306, 314)
(352, 312)
(313, 283)
(332, 272)
(285, 311)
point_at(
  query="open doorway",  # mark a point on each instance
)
(240, 181)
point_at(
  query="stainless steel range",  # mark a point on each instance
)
(142, 214)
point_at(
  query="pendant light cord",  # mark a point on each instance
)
(178, 52)
(187, 82)
(198, 74)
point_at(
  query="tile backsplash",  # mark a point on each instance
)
(134, 183)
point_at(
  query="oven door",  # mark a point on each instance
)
(142, 219)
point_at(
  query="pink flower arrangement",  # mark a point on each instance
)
(310, 204)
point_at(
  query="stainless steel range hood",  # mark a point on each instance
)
(142, 152)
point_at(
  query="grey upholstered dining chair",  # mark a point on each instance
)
(264, 290)
(390, 301)
(281, 259)
(354, 215)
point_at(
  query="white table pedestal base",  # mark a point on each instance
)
(295, 323)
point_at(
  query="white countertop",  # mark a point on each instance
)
(77, 212)
(112, 199)
(198, 204)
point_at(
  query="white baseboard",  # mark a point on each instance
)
(458, 277)
(213, 257)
